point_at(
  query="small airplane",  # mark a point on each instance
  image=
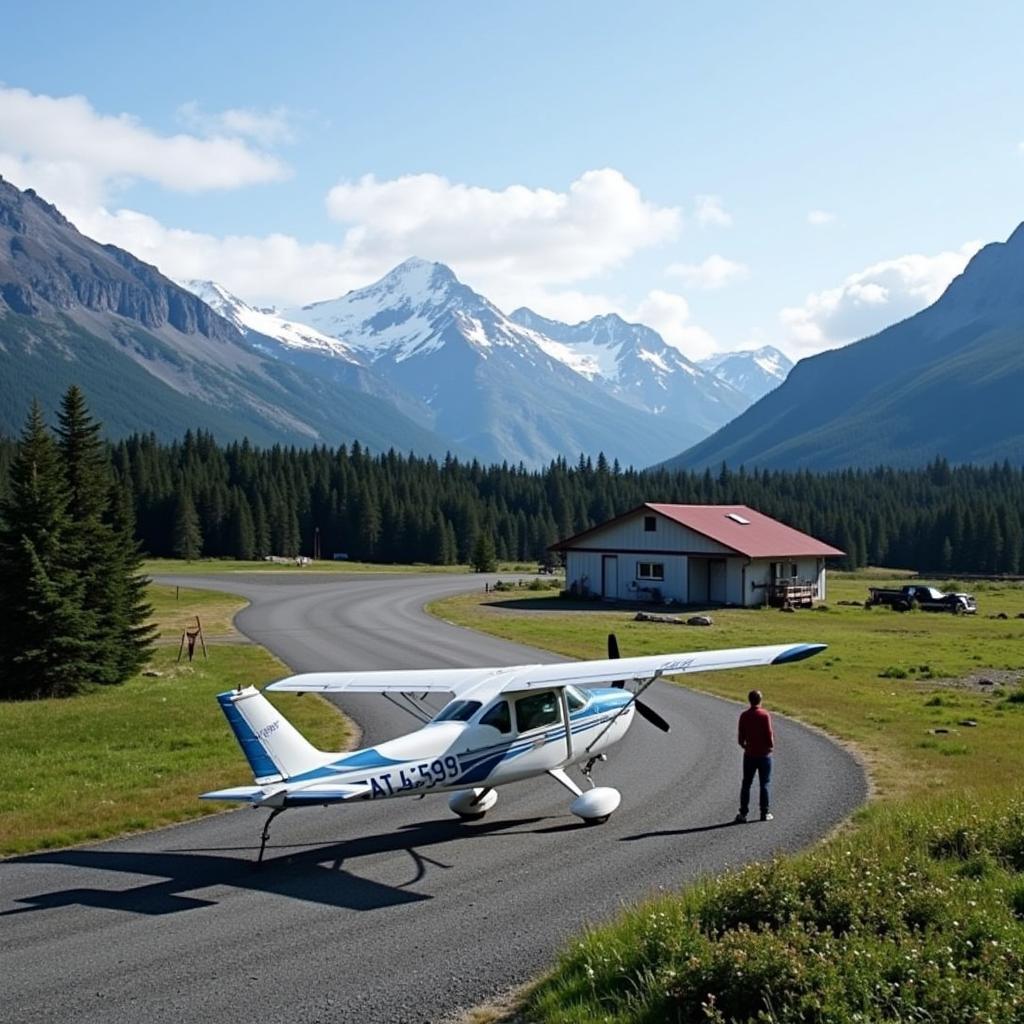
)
(503, 725)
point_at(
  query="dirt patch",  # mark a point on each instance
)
(984, 680)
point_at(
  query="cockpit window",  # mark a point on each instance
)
(458, 711)
(575, 698)
(498, 716)
(538, 709)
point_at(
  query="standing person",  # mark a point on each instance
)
(756, 738)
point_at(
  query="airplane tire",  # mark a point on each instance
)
(596, 821)
(470, 817)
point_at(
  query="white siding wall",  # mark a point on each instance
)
(583, 567)
(629, 535)
(759, 571)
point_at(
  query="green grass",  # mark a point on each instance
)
(175, 609)
(916, 912)
(918, 915)
(136, 756)
(874, 687)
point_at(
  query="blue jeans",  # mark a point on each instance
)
(762, 767)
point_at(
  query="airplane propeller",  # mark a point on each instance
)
(645, 710)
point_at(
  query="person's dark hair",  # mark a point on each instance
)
(754, 697)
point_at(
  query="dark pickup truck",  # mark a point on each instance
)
(928, 599)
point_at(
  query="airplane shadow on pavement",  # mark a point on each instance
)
(315, 874)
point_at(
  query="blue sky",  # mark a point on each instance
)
(733, 175)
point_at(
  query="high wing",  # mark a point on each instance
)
(423, 680)
(485, 683)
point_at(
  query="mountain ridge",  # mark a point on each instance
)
(941, 383)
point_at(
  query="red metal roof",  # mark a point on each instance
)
(759, 537)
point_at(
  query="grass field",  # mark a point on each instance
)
(916, 912)
(886, 681)
(135, 756)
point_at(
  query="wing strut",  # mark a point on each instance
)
(633, 700)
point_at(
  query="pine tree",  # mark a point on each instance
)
(91, 549)
(484, 558)
(44, 643)
(130, 611)
(188, 541)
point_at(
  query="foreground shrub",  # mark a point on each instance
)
(918, 917)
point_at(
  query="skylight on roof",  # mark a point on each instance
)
(737, 518)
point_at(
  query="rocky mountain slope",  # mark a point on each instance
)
(150, 354)
(635, 365)
(945, 382)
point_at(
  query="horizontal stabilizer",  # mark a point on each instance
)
(279, 795)
(245, 794)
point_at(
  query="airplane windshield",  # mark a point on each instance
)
(576, 698)
(458, 711)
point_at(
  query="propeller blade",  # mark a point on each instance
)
(652, 716)
(613, 652)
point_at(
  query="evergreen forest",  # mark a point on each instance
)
(197, 497)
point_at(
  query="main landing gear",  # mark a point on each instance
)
(596, 805)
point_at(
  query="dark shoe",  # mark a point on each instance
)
(767, 816)
(740, 819)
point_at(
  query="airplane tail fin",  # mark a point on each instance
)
(276, 750)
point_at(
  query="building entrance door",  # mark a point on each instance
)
(609, 577)
(716, 580)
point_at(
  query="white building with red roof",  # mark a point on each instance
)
(696, 554)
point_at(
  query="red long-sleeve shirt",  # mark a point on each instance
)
(755, 732)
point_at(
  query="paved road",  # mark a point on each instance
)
(387, 912)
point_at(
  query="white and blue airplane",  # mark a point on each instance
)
(503, 725)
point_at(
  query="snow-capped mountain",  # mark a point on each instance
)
(267, 322)
(274, 335)
(636, 365)
(497, 387)
(755, 372)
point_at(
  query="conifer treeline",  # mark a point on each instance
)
(197, 497)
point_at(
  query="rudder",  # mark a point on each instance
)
(275, 749)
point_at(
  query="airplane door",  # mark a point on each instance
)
(610, 577)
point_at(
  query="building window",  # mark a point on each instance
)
(650, 570)
(650, 524)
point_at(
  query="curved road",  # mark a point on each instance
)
(394, 911)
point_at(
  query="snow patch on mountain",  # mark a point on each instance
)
(754, 372)
(267, 322)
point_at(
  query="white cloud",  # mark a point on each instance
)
(516, 236)
(517, 246)
(709, 212)
(261, 269)
(267, 127)
(669, 315)
(74, 155)
(820, 218)
(714, 272)
(872, 299)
